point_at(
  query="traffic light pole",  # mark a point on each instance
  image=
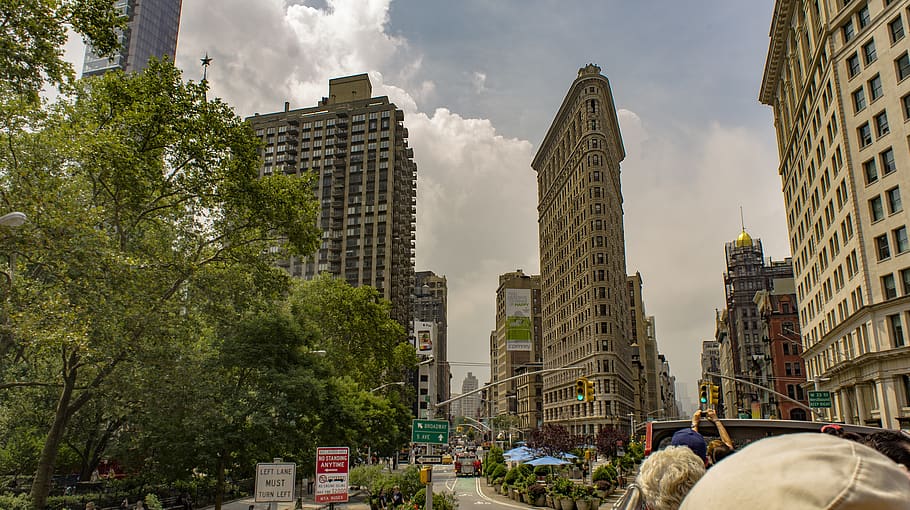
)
(759, 386)
(488, 386)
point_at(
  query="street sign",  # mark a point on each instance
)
(332, 474)
(429, 459)
(819, 399)
(275, 482)
(430, 431)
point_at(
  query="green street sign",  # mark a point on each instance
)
(430, 431)
(819, 399)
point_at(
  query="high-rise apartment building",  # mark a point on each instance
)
(470, 405)
(151, 32)
(584, 297)
(430, 296)
(354, 147)
(515, 347)
(836, 77)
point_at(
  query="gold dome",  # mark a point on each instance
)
(744, 240)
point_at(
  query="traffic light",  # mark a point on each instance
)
(703, 393)
(581, 386)
(589, 391)
(714, 397)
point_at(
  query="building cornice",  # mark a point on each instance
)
(776, 49)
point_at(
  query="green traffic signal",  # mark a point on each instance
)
(580, 384)
(703, 393)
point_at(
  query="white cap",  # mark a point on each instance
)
(809, 471)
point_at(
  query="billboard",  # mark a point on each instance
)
(424, 337)
(518, 319)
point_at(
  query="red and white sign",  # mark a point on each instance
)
(332, 474)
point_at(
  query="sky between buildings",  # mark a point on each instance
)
(480, 82)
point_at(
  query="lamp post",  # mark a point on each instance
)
(397, 383)
(13, 219)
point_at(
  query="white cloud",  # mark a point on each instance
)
(479, 80)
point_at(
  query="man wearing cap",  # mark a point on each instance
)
(692, 439)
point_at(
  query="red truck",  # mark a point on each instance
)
(467, 465)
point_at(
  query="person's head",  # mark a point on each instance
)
(692, 440)
(807, 471)
(667, 475)
(893, 444)
(717, 451)
(838, 431)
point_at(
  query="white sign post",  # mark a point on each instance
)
(275, 482)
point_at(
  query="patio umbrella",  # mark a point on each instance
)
(547, 461)
(520, 456)
(568, 455)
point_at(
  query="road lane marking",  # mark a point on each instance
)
(491, 500)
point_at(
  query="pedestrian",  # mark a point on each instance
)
(397, 497)
(299, 504)
(90, 505)
(125, 504)
(382, 499)
(140, 505)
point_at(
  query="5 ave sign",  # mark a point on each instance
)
(430, 431)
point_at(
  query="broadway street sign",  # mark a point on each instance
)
(430, 431)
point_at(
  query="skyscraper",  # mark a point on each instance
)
(151, 32)
(470, 405)
(584, 298)
(355, 147)
(744, 352)
(515, 348)
(836, 78)
(430, 302)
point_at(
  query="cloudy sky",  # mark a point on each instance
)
(480, 82)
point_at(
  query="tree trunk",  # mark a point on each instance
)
(42, 483)
(219, 486)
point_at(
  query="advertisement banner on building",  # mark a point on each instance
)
(518, 319)
(424, 337)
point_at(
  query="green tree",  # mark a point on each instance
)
(33, 33)
(135, 188)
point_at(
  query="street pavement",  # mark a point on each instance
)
(472, 493)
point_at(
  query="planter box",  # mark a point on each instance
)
(566, 504)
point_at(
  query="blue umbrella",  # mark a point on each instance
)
(521, 456)
(547, 461)
(568, 455)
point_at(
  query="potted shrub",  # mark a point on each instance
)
(537, 494)
(602, 488)
(583, 497)
(563, 494)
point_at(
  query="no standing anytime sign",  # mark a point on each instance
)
(332, 475)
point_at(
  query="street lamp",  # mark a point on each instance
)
(397, 383)
(13, 219)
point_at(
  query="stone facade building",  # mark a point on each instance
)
(584, 296)
(836, 77)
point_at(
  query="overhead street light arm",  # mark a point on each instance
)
(397, 383)
(478, 390)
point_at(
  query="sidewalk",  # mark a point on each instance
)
(357, 500)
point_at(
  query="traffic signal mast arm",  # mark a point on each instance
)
(781, 395)
(484, 388)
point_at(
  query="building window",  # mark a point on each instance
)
(876, 208)
(894, 200)
(881, 124)
(865, 135)
(901, 244)
(788, 369)
(884, 250)
(859, 100)
(853, 65)
(791, 392)
(889, 288)
(905, 281)
(897, 330)
(875, 87)
(848, 31)
(869, 55)
(870, 171)
(906, 380)
(896, 28)
(903, 66)
(888, 164)
(863, 16)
